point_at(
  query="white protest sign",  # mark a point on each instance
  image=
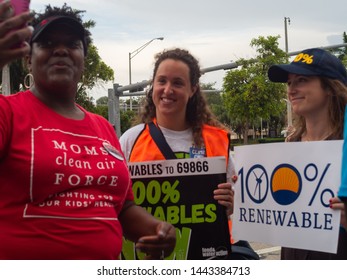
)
(283, 191)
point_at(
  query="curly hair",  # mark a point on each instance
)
(198, 112)
(62, 11)
(337, 100)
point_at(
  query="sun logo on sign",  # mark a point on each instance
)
(286, 184)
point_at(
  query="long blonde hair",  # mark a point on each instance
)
(337, 100)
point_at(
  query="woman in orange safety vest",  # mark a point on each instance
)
(177, 108)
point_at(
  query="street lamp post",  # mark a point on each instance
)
(132, 55)
(289, 107)
(286, 20)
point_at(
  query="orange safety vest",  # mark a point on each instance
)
(216, 140)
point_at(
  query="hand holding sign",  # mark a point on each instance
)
(157, 246)
(225, 196)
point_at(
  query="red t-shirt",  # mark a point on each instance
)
(63, 183)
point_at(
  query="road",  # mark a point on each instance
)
(266, 251)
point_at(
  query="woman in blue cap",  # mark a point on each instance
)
(317, 91)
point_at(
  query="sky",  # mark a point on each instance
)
(215, 32)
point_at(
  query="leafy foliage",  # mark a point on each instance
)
(95, 74)
(248, 93)
(215, 102)
(342, 52)
(126, 119)
(102, 101)
(17, 75)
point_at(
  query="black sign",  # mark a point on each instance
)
(181, 193)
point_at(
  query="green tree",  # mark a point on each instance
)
(102, 110)
(215, 102)
(95, 74)
(126, 119)
(248, 94)
(101, 107)
(342, 52)
(102, 101)
(17, 74)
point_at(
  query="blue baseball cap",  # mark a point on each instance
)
(310, 62)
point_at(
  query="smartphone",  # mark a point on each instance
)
(20, 6)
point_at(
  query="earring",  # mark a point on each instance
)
(28, 81)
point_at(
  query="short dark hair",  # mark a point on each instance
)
(62, 11)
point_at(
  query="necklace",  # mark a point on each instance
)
(305, 138)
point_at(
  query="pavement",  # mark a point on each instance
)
(267, 251)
